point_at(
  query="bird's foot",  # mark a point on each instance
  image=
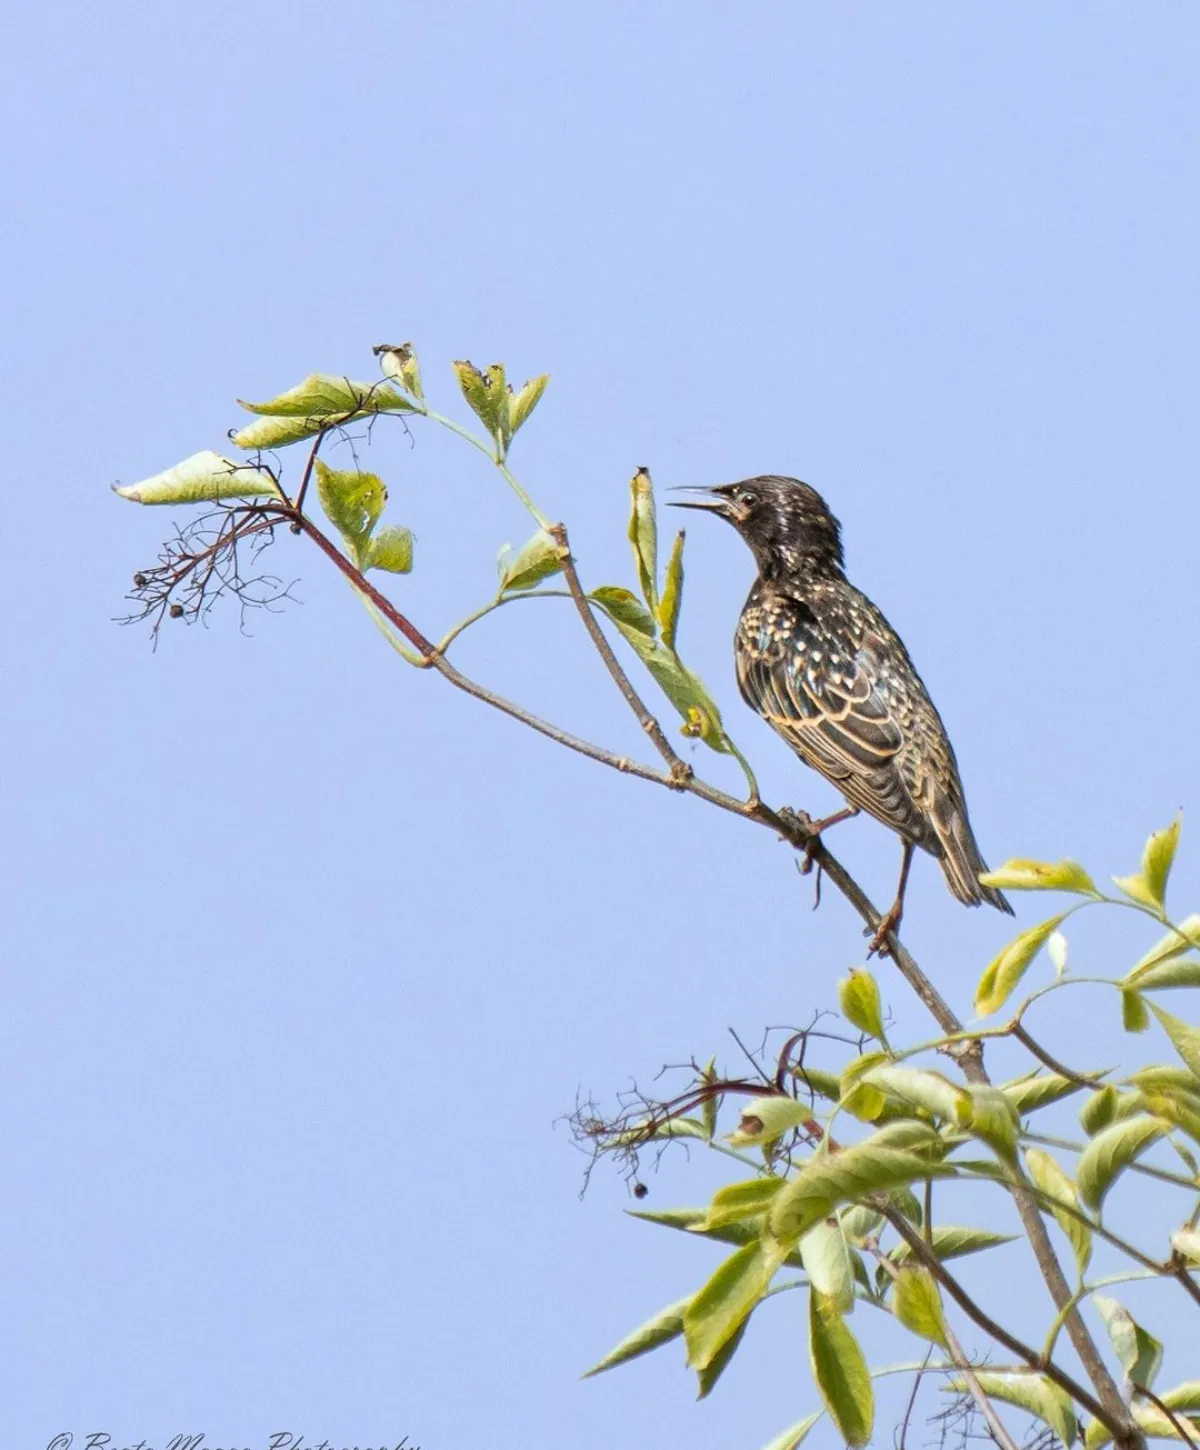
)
(802, 832)
(888, 923)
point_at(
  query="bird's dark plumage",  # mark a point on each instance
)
(822, 665)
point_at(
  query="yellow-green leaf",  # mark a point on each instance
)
(1181, 1110)
(683, 688)
(1049, 1176)
(540, 557)
(714, 1314)
(993, 1119)
(352, 501)
(1187, 1241)
(488, 398)
(1030, 1392)
(858, 995)
(1020, 874)
(1174, 944)
(1038, 1090)
(661, 1328)
(1184, 1038)
(643, 535)
(1149, 885)
(1100, 1110)
(712, 1103)
(203, 478)
(917, 1304)
(767, 1118)
(691, 1220)
(320, 401)
(1001, 977)
(391, 549)
(524, 402)
(1111, 1151)
(1139, 1352)
(624, 608)
(922, 1088)
(1134, 1017)
(672, 595)
(708, 1375)
(953, 1241)
(830, 1179)
(795, 1435)
(1182, 1397)
(840, 1372)
(827, 1262)
(738, 1201)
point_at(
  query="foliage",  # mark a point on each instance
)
(848, 1167)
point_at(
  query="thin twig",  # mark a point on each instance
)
(1181, 1426)
(1084, 1080)
(680, 770)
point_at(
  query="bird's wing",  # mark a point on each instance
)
(834, 713)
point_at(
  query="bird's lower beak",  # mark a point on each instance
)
(711, 500)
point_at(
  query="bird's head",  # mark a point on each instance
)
(787, 524)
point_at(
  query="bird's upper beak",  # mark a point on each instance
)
(712, 500)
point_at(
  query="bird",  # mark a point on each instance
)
(820, 663)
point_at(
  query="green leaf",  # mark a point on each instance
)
(739, 1201)
(917, 1304)
(1139, 1352)
(840, 1372)
(1183, 1397)
(203, 478)
(691, 1220)
(1134, 1017)
(715, 1368)
(765, 1119)
(661, 1328)
(1000, 979)
(1180, 971)
(1030, 1392)
(1023, 875)
(1111, 1151)
(1174, 944)
(1181, 1110)
(952, 1241)
(712, 1104)
(828, 1180)
(1038, 1090)
(795, 1435)
(1158, 1426)
(1185, 1039)
(714, 1315)
(537, 559)
(488, 398)
(391, 549)
(623, 608)
(819, 1082)
(1049, 1176)
(1149, 885)
(922, 1089)
(1100, 1110)
(684, 689)
(320, 401)
(352, 502)
(858, 995)
(827, 1262)
(643, 535)
(994, 1120)
(860, 1222)
(398, 361)
(527, 400)
(672, 595)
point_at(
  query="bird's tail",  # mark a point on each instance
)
(962, 864)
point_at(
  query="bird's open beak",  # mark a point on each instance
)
(712, 500)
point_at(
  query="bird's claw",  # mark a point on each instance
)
(878, 944)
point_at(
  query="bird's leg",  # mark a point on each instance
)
(810, 831)
(890, 920)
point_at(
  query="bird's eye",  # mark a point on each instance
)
(747, 497)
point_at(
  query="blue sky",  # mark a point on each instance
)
(307, 953)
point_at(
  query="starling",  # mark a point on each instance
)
(823, 667)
